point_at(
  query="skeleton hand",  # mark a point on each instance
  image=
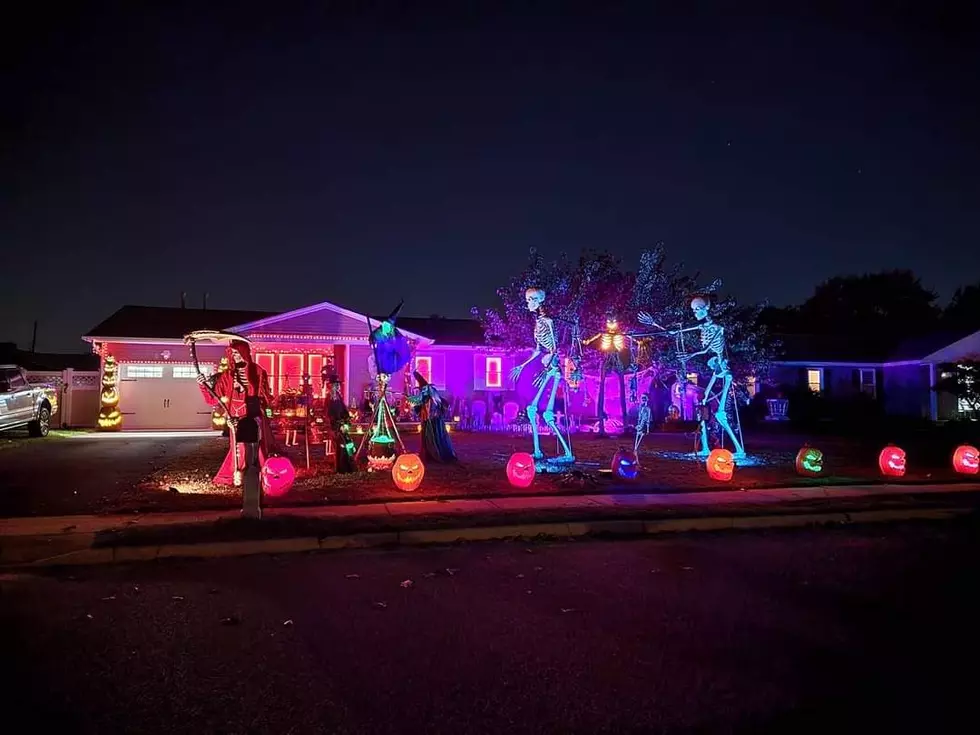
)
(516, 372)
(540, 378)
(644, 317)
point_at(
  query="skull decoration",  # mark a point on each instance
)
(407, 472)
(891, 461)
(520, 469)
(534, 298)
(278, 476)
(966, 460)
(809, 461)
(721, 465)
(700, 307)
(624, 464)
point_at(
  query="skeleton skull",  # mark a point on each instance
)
(534, 297)
(700, 308)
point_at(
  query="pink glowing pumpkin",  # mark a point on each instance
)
(891, 461)
(278, 475)
(520, 469)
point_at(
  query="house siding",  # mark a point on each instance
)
(906, 390)
(321, 323)
(141, 352)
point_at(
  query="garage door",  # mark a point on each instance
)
(162, 396)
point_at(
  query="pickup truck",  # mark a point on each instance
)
(23, 404)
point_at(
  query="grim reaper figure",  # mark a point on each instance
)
(546, 357)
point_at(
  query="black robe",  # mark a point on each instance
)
(436, 444)
(343, 446)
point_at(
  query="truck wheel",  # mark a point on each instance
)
(42, 425)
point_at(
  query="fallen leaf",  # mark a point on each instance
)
(538, 569)
(213, 591)
(520, 576)
(407, 583)
(287, 623)
(381, 605)
(528, 551)
(568, 609)
(231, 620)
(178, 598)
(654, 571)
(88, 616)
(110, 597)
(451, 572)
(429, 575)
(688, 569)
(352, 576)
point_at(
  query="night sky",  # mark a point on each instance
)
(280, 159)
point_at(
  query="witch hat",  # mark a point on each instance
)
(423, 383)
(394, 314)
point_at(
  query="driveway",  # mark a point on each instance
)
(80, 473)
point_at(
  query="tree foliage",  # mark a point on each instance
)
(963, 311)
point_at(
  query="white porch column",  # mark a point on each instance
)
(933, 395)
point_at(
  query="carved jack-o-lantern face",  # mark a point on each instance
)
(721, 465)
(520, 469)
(966, 460)
(407, 472)
(110, 397)
(891, 461)
(809, 461)
(624, 464)
(278, 476)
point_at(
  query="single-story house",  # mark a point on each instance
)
(900, 376)
(157, 380)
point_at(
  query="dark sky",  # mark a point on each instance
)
(359, 152)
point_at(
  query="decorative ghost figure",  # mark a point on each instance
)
(624, 464)
(721, 465)
(407, 472)
(966, 460)
(891, 461)
(809, 461)
(520, 469)
(278, 476)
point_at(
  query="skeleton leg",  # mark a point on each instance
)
(721, 415)
(602, 398)
(532, 414)
(549, 418)
(622, 397)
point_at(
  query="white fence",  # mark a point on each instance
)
(78, 395)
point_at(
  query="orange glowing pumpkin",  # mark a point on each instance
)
(721, 465)
(891, 461)
(407, 472)
(966, 460)
(520, 469)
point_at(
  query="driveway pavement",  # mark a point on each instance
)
(66, 474)
(831, 631)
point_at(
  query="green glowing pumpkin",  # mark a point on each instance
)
(809, 462)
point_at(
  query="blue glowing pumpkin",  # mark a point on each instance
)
(624, 464)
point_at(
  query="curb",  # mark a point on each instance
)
(623, 528)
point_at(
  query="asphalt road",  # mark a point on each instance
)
(850, 630)
(62, 475)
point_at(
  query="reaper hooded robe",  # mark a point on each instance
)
(244, 390)
(432, 408)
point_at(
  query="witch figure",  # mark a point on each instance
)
(390, 347)
(432, 408)
(340, 425)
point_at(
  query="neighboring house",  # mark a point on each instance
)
(899, 376)
(158, 388)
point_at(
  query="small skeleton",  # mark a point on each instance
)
(617, 358)
(643, 419)
(546, 353)
(713, 344)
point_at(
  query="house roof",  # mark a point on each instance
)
(868, 349)
(165, 322)
(9, 354)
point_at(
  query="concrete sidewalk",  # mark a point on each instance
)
(99, 539)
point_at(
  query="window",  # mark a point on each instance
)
(16, 379)
(423, 366)
(814, 379)
(494, 379)
(189, 371)
(290, 372)
(751, 386)
(868, 386)
(144, 371)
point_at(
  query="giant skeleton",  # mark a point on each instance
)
(546, 354)
(713, 344)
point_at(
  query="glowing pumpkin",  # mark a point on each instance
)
(891, 461)
(721, 465)
(407, 472)
(966, 460)
(625, 465)
(809, 461)
(520, 469)
(278, 476)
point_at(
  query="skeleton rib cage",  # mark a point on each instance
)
(713, 338)
(544, 334)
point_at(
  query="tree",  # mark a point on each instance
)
(963, 311)
(889, 303)
(962, 380)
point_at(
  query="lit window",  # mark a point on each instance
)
(692, 378)
(868, 381)
(493, 372)
(751, 386)
(423, 366)
(814, 379)
(144, 371)
(290, 372)
(267, 361)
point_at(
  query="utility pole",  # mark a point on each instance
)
(183, 299)
(34, 338)
(205, 301)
